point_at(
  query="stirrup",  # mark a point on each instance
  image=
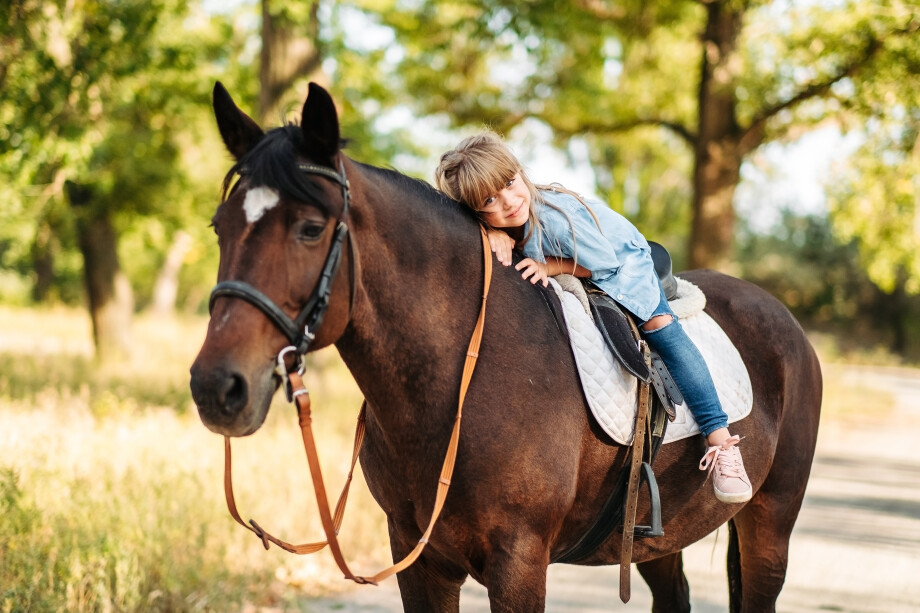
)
(654, 505)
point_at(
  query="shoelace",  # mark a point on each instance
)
(726, 455)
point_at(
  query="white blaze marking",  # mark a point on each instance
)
(258, 201)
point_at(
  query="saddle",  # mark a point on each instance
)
(622, 338)
(621, 334)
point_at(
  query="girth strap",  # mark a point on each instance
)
(332, 522)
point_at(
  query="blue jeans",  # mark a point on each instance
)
(689, 370)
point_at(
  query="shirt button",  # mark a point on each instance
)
(619, 296)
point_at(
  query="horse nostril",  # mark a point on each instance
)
(234, 394)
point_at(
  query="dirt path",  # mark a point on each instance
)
(855, 549)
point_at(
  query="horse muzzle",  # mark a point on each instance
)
(229, 402)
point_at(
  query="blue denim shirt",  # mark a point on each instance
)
(617, 255)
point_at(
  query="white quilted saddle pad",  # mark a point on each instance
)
(612, 392)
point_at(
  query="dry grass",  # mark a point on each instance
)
(110, 487)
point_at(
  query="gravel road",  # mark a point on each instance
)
(855, 549)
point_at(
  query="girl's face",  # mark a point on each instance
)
(510, 207)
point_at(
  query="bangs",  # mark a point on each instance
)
(484, 176)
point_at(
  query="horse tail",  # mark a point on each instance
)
(734, 569)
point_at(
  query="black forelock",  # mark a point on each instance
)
(273, 163)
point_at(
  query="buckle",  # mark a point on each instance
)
(281, 369)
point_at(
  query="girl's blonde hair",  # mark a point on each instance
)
(478, 168)
(481, 166)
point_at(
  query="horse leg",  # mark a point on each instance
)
(758, 551)
(734, 569)
(425, 590)
(665, 578)
(516, 577)
(430, 584)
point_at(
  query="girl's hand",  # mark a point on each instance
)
(501, 245)
(534, 270)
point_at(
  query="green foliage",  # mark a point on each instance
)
(23, 577)
(112, 543)
(875, 198)
(601, 71)
(364, 84)
(109, 95)
(876, 203)
(801, 262)
(114, 95)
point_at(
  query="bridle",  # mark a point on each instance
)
(301, 330)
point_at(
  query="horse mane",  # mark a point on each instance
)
(420, 192)
(272, 163)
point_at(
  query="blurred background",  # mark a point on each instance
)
(776, 141)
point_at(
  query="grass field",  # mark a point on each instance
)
(111, 489)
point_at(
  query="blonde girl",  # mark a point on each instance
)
(557, 232)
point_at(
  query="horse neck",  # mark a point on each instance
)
(417, 298)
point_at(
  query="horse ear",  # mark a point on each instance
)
(239, 131)
(320, 125)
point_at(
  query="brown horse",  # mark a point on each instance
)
(532, 469)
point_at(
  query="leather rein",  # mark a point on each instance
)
(309, 320)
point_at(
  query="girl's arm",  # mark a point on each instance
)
(565, 266)
(538, 272)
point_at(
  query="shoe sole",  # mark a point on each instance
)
(733, 498)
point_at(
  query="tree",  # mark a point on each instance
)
(95, 95)
(875, 202)
(111, 302)
(290, 52)
(722, 77)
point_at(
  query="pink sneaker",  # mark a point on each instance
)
(729, 479)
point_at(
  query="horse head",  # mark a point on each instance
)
(281, 231)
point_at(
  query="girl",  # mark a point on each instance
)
(557, 233)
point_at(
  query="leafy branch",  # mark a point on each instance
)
(753, 135)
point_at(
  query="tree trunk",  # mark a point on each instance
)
(108, 292)
(718, 155)
(167, 285)
(894, 309)
(289, 51)
(43, 262)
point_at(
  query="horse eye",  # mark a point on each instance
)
(310, 231)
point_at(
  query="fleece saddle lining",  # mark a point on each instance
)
(612, 392)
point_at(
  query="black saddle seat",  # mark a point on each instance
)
(662, 260)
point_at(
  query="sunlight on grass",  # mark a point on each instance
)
(833, 349)
(111, 488)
